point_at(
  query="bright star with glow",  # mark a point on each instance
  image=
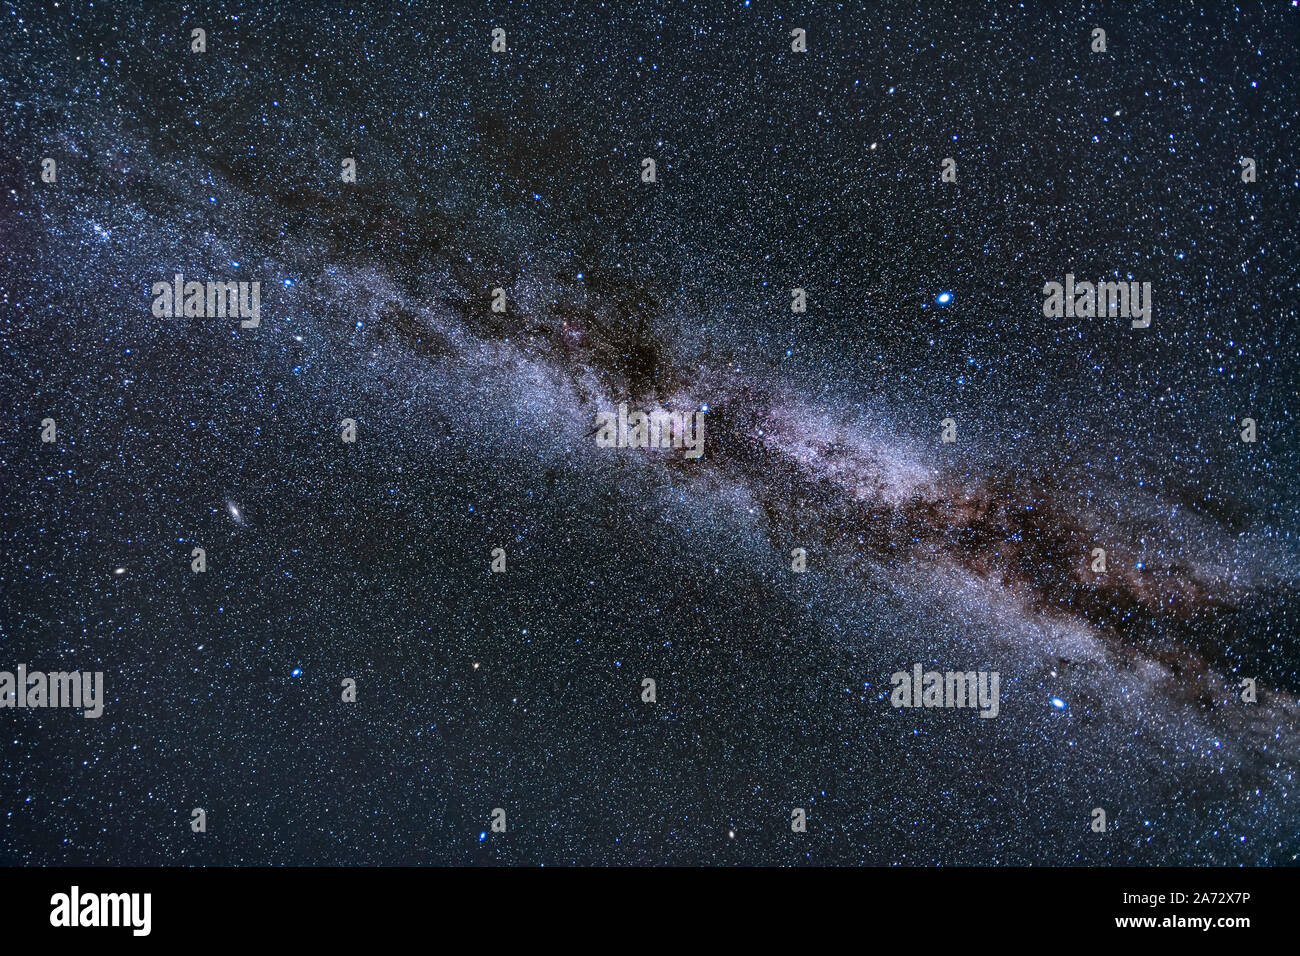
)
(943, 298)
(1058, 703)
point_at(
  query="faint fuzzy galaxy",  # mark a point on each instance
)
(522, 691)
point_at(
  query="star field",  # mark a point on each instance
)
(776, 170)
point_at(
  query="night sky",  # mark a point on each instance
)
(522, 690)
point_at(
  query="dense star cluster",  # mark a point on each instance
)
(476, 428)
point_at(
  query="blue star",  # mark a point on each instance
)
(943, 298)
(1058, 703)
